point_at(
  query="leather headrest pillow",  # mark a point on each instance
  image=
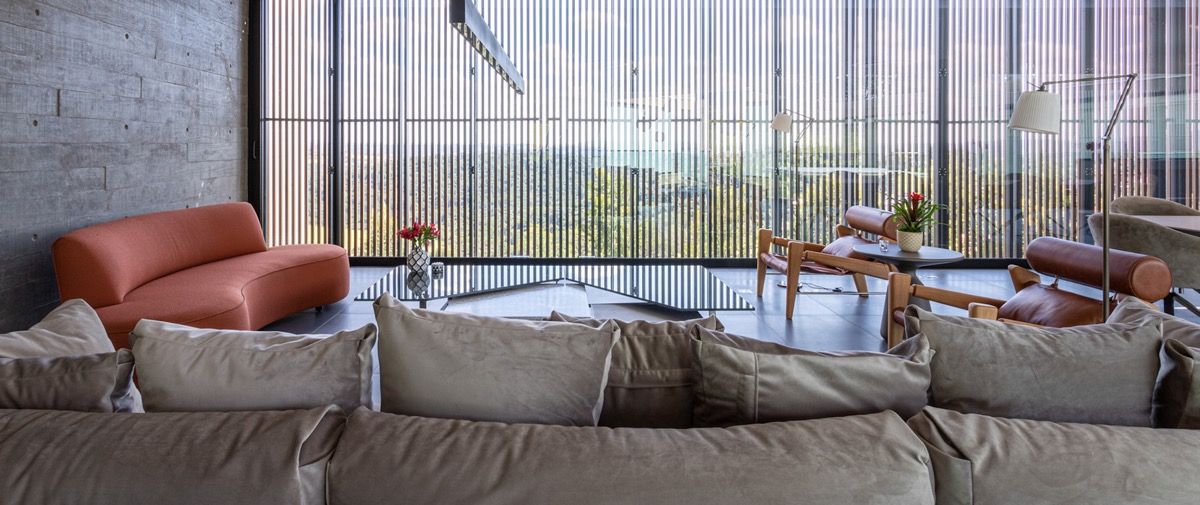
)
(871, 220)
(1145, 277)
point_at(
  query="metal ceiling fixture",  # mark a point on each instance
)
(465, 18)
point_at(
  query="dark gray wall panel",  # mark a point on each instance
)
(111, 109)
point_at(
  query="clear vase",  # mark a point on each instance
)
(418, 258)
(910, 241)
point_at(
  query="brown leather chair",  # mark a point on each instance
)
(1035, 303)
(835, 258)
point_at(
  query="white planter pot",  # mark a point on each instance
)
(910, 241)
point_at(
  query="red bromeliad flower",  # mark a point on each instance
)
(916, 197)
(915, 213)
(421, 233)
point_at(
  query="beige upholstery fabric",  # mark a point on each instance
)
(250, 458)
(1178, 395)
(1135, 311)
(72, 329)
(1102, 374)
(650, 381)
(461, 366)
(92, 383)
(980, 460)
(181, 368)
(736, 386)
(857, 460)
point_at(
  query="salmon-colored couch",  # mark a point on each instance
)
(207, 267)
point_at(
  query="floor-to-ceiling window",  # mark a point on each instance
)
(644, 131)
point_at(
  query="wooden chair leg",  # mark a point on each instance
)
(898, 294)
(860, 284)
(795, 258)
(764, 246)
(1169, 304)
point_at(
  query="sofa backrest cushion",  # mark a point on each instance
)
(1178, 395)
(89, 383)
(232, 458)
(740, 386)
(1102, 374)
(979, 459)
(187, 369)
(1135, 311)
(463, 366)
(386, 458)
(650, 381)
(71, 329)
(104, 262)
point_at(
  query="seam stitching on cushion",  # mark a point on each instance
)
(756, 375)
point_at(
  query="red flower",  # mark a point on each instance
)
(916, 197)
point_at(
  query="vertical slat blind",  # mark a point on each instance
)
(644, 132)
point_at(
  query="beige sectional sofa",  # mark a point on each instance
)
(690, 415)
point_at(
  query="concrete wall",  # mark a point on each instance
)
(111, 108)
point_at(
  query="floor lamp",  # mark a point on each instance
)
(1040, 111)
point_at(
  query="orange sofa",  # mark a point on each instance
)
(207, 267)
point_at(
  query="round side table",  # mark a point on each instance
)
(908, 262)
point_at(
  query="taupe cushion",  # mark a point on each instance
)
(251, 458)
(71, 329)
(181, 368)
(1102, 374)
(1178, 396)
(738, 386)
(650, 382)
(850, 460)
(980, 460)
(1135, 311)
(460, 366)
(91, 383)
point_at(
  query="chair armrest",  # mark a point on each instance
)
(953, 298)
(983, 311)
(874, 269)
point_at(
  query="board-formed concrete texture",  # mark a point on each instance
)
(111, 108)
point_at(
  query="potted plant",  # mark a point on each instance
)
(421, 234)
(914, 215)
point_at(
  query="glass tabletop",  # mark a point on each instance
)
(679, 287)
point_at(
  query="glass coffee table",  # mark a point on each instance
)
(689, 288)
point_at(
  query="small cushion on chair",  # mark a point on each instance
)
(1049, 306)
(844, 247)
(774, 261)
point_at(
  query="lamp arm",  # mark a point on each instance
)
(1112, 120)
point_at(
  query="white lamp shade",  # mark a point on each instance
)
(782, 122)
(1038, 112)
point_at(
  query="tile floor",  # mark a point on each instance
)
(824, 320)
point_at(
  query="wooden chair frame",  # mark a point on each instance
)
(799, 251)
(901, 290)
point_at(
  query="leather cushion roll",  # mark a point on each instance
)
(181, 368)
(1145, 277)
(462, 366)
(1103, 374)
(650, 380)
(234, 458)
(91, 383)
(738, 386)
(849, 460)
(872, 220)
(981, 460)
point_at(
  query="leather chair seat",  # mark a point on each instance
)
(234, 293)
(1049, 306)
